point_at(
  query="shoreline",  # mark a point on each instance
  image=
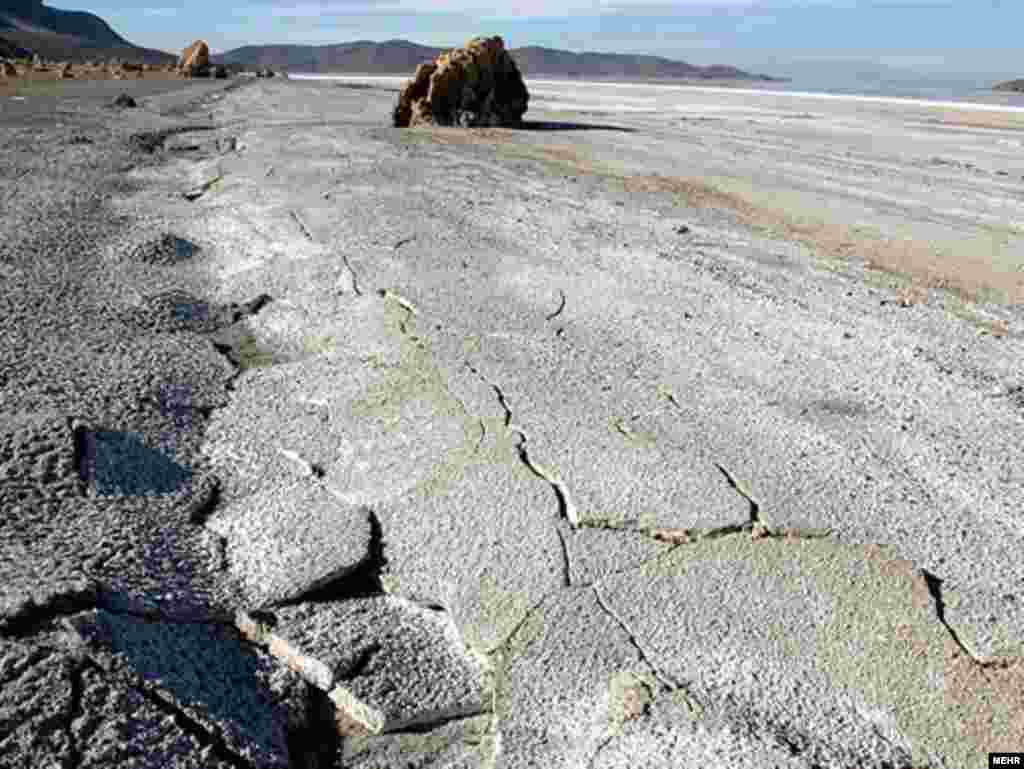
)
(738, 87)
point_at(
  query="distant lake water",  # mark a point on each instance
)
(932, 90)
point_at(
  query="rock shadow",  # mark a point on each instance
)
(561, 125)
(119, 463)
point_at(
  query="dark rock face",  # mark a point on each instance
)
(220, 72)
(477, 85)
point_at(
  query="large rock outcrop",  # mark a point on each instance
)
(195, 60)
(477, 85)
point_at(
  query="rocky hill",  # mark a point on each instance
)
(65, 35)
(402, 56)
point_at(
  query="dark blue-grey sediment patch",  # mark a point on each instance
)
(205, 678)
(166, 249)
(119, 463)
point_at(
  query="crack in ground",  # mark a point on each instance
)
(75, 711)
(681, 536)
(566, 562)
(197, 192)
(34, 618)
(743, 491)
(759, 530)
(665, 680)
(566, 508)
(558, 310)
(597, 752)
(352, 274)
(934, 584)
(209, 738)
(302, 225)
(405, 304)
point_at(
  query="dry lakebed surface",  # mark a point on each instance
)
(677, 428)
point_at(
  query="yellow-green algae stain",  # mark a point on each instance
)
(487, 440)
(477, 733)
(882, 640)
(315, 345)
(501, 609)
(532, 629)
(252, 355)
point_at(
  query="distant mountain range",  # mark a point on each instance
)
(400, 57)
(28, 26)
(1010, 85)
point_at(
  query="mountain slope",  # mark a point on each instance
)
(535, 60)
(402, 56)
(66, 35)
(1010, 85)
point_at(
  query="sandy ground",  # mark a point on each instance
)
(681, 437)
(923, 195)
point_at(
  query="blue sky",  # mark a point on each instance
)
(802, 38)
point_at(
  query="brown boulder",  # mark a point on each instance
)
(8, 70)
(477, 85)
(64, 72)
(195, 60)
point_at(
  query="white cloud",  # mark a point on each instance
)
(564, 8)
(521, 9)
(161, 12)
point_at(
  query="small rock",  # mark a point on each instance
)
(125, 102)
(682, 229)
